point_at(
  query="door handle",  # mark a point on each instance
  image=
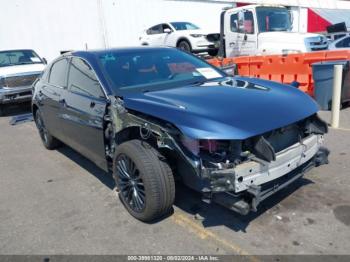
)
(232, 44)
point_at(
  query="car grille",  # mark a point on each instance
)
(19, 81)
(284, 137)
(213, 37)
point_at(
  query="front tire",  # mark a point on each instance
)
(48, 140)
(185, 46)
(1, 110)
(144, 180)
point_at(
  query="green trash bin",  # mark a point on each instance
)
(323, 82)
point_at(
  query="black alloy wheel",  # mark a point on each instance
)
(144, 180)
(48, 140)
(130, 183)
(41, 127)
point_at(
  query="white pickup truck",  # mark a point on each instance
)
(260, 29)
(18, 70)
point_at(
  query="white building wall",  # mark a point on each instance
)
(127, 19)
(57, 25)
(49, 26)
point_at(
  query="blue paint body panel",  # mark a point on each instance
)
(214, 110)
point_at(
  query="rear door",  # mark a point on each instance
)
(50, 96)
(83, 112)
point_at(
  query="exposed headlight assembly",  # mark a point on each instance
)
(197, 35)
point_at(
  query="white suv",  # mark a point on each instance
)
(183, 35)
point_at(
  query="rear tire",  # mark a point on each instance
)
(1, 110)
(185, 46)
(144, 180)
(48, 140)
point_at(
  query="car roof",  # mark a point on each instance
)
(16, 50)
(341, 38)
(336, 41)
(180, 22)
(120, 50)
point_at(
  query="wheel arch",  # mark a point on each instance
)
(183, 38)
(35, 108)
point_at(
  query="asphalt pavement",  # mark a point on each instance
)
(58, 202)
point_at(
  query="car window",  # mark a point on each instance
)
(234, 23)
(248, 22)
(18, 57)
(345, 43)
(147, 68)
(271, 19)
(58, 73)
(82, 79)
(157, 29)
(242, 22)
(184, 26)
(338, 36)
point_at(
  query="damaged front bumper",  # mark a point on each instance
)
(242, 188)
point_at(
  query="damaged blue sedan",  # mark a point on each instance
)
(151, 116)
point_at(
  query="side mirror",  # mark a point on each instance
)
(167, 31)
(44, 60)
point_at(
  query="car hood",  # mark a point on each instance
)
(219, 110)
(287, 37)
(19, 69)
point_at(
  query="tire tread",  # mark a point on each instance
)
(159, 176)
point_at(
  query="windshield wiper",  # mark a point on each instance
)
(198, 82)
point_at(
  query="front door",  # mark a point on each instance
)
(155, 36)
(240, 33)
(82, 112)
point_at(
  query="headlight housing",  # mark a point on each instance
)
(197, 35)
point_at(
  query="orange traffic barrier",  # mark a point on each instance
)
(283, 68)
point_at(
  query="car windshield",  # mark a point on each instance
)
(184, 26)
(154, 69)
(18, 57)
(272, 19)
